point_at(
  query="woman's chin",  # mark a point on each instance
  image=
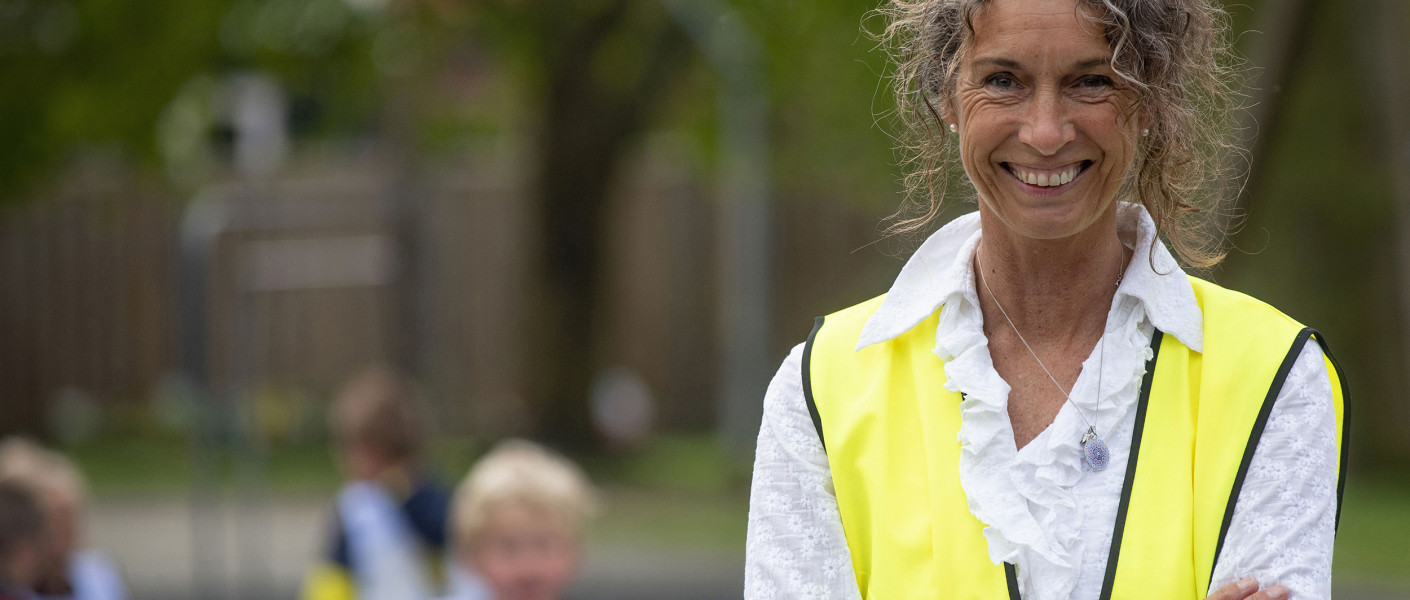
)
(1050, 220)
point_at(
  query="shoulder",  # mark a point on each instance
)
(837, 334)
(856, 314)
(1237, 326)
(1225, 306)
(785, 399)
(853, 319)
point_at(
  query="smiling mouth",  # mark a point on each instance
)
(1047, 178)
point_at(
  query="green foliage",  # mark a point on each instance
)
(830, 105)
(106, 82)
(105, 78)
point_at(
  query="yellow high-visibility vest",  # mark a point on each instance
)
(889, 428)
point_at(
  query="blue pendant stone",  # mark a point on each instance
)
(1096, 454)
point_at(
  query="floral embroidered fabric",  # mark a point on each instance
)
(1045, 510)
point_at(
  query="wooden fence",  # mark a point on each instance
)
(314, 275)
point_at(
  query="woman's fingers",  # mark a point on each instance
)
(1277, 592)
(1238, 590)
(1247, 589)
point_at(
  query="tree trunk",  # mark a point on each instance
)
(588, 128)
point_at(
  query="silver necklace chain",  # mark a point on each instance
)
(1102, 345)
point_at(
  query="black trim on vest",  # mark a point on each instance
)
(1258, 424)
(1011, 578)
(1120, 527)
(1345, 430)
(808, 381)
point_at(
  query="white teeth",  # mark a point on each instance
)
(1045, 180)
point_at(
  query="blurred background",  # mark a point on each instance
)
(600, 224)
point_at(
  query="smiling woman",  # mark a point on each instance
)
(1045, 405)
(1170, 59)
(1035, 98)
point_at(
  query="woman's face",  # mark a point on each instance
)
(1046, 132)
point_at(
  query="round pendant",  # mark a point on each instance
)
(1096, 454)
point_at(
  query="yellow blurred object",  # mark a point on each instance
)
(326, 581)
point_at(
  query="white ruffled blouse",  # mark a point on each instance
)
(1044, 511)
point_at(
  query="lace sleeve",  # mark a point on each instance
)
(1285, 520)
(796, 547)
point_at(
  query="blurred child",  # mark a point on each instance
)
(21, 540)
(67, 570)
(518, 521)
(389, 528)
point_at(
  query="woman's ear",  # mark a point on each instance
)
(1146, 122)
(947, 116)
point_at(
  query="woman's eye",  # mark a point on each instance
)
(1095, 81)
(1001, 80)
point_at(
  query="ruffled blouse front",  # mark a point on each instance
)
(1043, 509)
(1033, 500)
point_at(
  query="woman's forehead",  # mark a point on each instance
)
(1043, 30)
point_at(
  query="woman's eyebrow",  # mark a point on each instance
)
(1009, 63)
(998, 61)
(1091, 62)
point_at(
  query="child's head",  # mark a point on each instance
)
(22, 535)
(59, 487)
(518, 519)
(374, 423)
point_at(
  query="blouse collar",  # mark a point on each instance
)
(941, 269)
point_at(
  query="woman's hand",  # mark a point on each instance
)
(1247, 589)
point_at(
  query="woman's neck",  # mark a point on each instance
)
(1054, 291)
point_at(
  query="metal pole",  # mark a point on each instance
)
(201, 225)
(745, 215)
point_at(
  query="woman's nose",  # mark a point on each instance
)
(1046, 128)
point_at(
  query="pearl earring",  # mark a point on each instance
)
(954, 128)
(1145, 132)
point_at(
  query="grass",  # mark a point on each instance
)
(673, 519)
(168, 464)
(678, 492)
(1374, 533)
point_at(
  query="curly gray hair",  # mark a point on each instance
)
(1173, 53)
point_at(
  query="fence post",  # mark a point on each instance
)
(746, 215)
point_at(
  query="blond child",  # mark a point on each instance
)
(517, 521)
(68, 570)
(22, 543)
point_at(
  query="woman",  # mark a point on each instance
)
(1044, 405)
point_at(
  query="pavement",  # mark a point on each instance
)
(174, 547)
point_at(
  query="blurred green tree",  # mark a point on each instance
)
(97, 74)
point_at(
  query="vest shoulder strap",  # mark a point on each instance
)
(849, 320)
